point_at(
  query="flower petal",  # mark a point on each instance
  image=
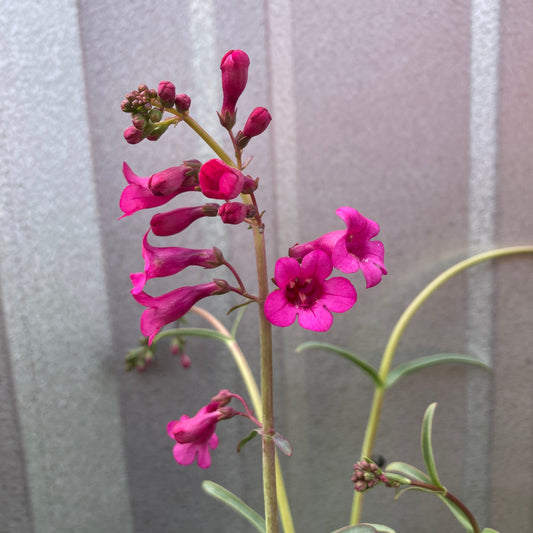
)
(278, 310)
(339, 295)
(316, 318)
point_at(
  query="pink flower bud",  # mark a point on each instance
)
(234, 67)
(166, 92)
(220, 181)
(133, 135)
(233, 212)
(183, 102)
(172, 222)
(250, 185)
(167, 181)
(257, 122)
(185, 360)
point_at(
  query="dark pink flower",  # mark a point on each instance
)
(167, 308)
(305, 292)
(220, 181)
(166, 92)
(172, 222)
(234, 66)
(351, 249)
(194, 436)
(166, 261)
(234, 212)
(138, 195)
(257, 122)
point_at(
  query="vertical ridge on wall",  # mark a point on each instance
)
(485, 28)
(53, 289)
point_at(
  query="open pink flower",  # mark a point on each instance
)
(138, 194)
(166, 261)
(194, 436)
(351, 249)
(305, 292)
(167, 308)
(220, 181)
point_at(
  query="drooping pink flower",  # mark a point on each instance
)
(166, 261)
(137, 195)
(194, 436)
(351, 249)
(172, 222)
(167, 308)
(220, 181)
(305, 292)
(234, 66)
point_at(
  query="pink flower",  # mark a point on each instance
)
(138, 194)
(194, 436)
(220, 181)
(234, 212)
(166, 92)
(167, 308)
(351, 249)
(172, 222)
(257, 122)
(166, 261)
(234, 67)
(305, 292)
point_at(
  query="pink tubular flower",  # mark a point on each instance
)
(167, 308)
(161, 262)
(138, 195)
(220, 181)
(351, 249)
(172, 222)
(194, 436)
(234, 66)
(257, 122)
(305, 292)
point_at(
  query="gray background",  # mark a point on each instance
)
(417, 113)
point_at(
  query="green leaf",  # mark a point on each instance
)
(361, 528)
(458, 513)
(489, 530)
(282, 444)
(408, 470)
(192, 332)
(427, 449)
(361, 363)
(224, 495)
(238, 318)
(247, 439)
(380, 528)
(424, 362)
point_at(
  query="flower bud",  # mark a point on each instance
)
(220, 181)
(133, 135)
(166, 92)
(223, 397)
(138, 120)
(257, 122)
(172, 222)
(185, 360)
(235, 212)
(234, 67)
(157, 131)
(250, 185)
(183, 102)
(155, 114)
(167, 181)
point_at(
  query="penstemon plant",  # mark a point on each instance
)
(305, 291)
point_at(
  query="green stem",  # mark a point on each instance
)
(394, 339)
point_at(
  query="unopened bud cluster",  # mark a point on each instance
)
(147, 107)
(367, 474)
(139, 358)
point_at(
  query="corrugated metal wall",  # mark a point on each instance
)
(417, 113)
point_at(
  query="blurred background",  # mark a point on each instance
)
(416, 113)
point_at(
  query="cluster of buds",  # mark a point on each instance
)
(367, 474)
(147, 106)
(139, 358)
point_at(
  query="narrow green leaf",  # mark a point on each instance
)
(402, 491)
(282, 444)
(489, 530)
(224, 495)
(238, 318)
(239, 306)
(361, 363)
(430, 360)
(192, 332)
(361, 528)
(458, 513)
(247, 439)
(381, 528)
(408, 470)
(427, 449)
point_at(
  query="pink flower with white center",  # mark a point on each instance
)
(351, 249)
(305, 292)
(194, 436)
(234, 66)
(167, 308)
(220, 181)
(138, 195)
(166, 261)
(175, 221)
